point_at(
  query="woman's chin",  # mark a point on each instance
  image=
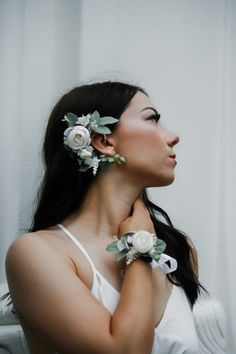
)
(163, 181)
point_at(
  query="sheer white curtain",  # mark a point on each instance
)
(184, 53)
(39, 60)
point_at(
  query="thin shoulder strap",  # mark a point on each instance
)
(77, 242)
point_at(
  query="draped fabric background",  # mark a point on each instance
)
(184, 53)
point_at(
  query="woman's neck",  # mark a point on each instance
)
(108, 202)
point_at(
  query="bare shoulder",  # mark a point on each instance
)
(24, 245)
(45, 288)
(33, 246)
(32, 253)
(26, 241)
(31, 239)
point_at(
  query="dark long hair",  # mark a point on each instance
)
(64, 188)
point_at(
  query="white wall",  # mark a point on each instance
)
(39, 61)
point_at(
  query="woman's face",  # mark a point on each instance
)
(146, 143)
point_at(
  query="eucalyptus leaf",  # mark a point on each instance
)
(160, 249)
(160, 246)
(112, 247)
(84, 167)
(160, 242)
(71, 119)
(95, 116)
(102, 130)
(107, 120)
(122, 254)
(122, 244)
(156, 256)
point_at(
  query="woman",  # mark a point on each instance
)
(104, 145)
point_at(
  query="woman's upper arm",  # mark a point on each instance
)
(50, 296)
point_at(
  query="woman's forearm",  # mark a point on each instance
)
(133, 323)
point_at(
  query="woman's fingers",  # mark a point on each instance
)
(138, 220)
(138, 203)
(139, 207)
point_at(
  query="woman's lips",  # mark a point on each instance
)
(173, 158)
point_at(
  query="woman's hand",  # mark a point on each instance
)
(139, 219)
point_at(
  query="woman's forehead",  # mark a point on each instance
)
(139, 103)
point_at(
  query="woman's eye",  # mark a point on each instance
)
(154, 117)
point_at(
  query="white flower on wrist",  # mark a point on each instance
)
(140, 244)
(77, 137)
(143, 241)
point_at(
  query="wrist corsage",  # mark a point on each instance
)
(144, 245)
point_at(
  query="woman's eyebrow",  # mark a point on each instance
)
(153, 109)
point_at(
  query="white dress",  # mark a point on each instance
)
(175, 334)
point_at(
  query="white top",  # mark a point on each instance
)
(175, 334)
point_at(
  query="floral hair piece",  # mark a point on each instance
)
(77, 140)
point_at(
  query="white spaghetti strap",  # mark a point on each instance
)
(77, 242)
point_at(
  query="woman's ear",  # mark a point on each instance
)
(105, 144)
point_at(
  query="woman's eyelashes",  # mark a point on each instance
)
(154, 117)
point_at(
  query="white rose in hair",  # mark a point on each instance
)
(143, 241)
(77, 137)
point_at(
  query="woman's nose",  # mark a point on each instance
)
(175, 140)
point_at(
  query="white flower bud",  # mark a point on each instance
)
(84, 120)
(84, 153)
